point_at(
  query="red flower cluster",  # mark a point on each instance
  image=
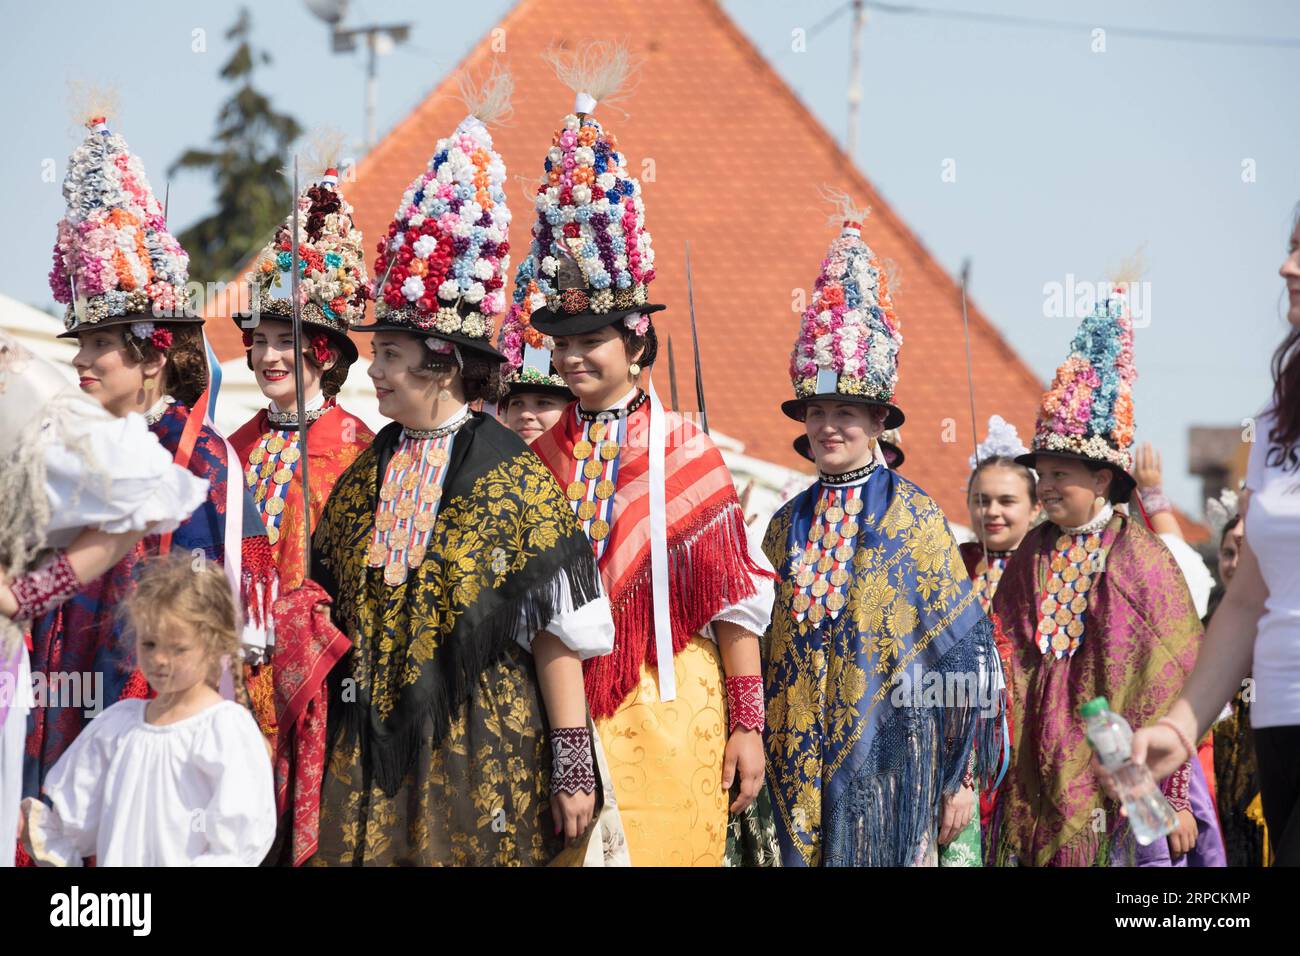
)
(161, 339)
(433, 271)
(320, 347)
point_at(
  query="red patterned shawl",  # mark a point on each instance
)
(708, 557)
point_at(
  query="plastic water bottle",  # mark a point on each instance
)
(1149, 813)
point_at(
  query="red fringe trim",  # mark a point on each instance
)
(709, 569)
(258, 568)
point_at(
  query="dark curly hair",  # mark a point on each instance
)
(633, 343)
(480, 376)
(1121, 486)
(185, 374)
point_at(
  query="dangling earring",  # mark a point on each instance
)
(1098, 503)
(634, 370)
(444, 395)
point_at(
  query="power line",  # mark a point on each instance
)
(1142, 33)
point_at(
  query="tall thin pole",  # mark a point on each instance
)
(372, 89)
(294, 285)
(855, 76)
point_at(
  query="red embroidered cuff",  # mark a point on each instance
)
(46, 587)
(571, 766)
(1177, 788)
(745, 702)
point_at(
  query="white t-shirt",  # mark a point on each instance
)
(1273, 530)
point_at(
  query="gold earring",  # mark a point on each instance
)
(1099, 502)
(634, 370)
(444, 395)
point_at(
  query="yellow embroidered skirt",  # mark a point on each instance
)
(665, 760)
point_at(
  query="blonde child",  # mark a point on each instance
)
(183, 779)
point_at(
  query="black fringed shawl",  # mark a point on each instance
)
(504, 544)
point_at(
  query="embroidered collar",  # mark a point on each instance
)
(286, 420)
(848, 477)
(608, 413)
(155, 414)
(1096, 524)
(451, 426)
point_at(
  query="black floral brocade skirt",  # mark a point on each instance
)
(480, 797)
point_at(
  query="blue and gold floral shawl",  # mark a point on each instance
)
(872, 716)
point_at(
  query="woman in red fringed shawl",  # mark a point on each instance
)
(289, 692)
(658, 503)
(666, 756)
(1093, 604)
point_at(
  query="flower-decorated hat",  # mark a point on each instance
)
(1001, 441)
(591, 257)
(443, 262)
(528, 365)
(1088, 411)
(847, 350)
(115, 262)
(1221, 510)
(333, 286)
(891, 444)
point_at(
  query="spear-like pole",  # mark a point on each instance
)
(298, 379)
(970, 388)
(672, 376)
(695, 338)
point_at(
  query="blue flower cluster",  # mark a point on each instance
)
(1098, 343)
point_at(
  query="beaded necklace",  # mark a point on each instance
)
(273, 463)
(409, 498)
(595, 470)
(823, 573)
(1076, 558)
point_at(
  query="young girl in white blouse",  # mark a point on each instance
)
(183, 779)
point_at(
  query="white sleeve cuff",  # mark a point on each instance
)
(587, 630)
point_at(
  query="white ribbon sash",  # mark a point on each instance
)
(659, 551)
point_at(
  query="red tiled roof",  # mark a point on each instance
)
(713, 119)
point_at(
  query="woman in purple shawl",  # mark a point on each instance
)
(1093, 604)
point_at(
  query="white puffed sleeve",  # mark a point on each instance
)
(587, 630)
(112, 474)
(754, 613)
(239, 820)
(68, 829)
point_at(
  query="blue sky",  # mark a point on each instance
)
(1066, 159)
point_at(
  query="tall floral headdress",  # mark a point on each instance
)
(443, 261)
(849, 336)
(114, 260)
(591, 260)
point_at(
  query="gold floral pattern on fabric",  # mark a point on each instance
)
(512, 514)
(819, 675)
(480, 797)
(665, 762)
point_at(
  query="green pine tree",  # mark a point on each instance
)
(253, 196)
